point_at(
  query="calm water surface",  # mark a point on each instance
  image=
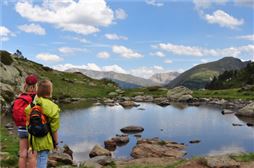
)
(81, 129)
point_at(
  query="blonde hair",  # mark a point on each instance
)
(45, 89)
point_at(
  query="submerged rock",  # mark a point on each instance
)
(157, 148)
(226, 111)
(132, 129)
(194, 141)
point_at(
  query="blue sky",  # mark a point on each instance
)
(136, 37)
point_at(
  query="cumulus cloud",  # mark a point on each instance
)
(154, 3)
(115, 37)
(223, 19)
(247, 50)
(103, 55)
(114, 68)
(70, 15)
(168, 61)
(32, 28)
(70, 50)
(91, 66)
(147, 72)
(246, 37)
(125, 52)
(158, 54)
(120, 14)
(5, 33)
(48, 57)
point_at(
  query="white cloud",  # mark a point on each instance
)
(125, 52)
(180, 49)
(82, 16)
(32, 28)
(91, 66)
(120, 14)
(223, 19)
(158, 54)
(5, 33)
(246, 37)
(154, 3)
(115, 37)
(103, 55)
(204, 60)
(49, 57)
(147, 72)
(247, 50)
(115, 68)
(168, 61)
(70, 50)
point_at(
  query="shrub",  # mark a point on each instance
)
(6, 58)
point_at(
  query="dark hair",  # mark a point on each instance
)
(45, 88)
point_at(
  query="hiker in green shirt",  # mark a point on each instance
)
(42, 144)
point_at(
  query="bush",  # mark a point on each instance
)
(6, 58)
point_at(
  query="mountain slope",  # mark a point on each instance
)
(14, 69)
(119, 78)
(234, 79)
(200, 75)
(164, 78)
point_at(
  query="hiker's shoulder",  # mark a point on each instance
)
(45, 102)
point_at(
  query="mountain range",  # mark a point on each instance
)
(198, 76)
(123, 80)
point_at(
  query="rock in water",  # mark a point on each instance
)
(132, 129)
(247, 111)
(99, 151)
(128, 104)
(157, 148)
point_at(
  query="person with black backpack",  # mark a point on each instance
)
(26, 159)
(43, 122)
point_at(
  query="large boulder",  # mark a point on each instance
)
(157, 148)
(99, 151)
(247, 111)
(132, 129)
(179, 93)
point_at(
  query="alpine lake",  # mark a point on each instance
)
(84, 125)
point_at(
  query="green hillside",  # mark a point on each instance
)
(14, 69)
(233, 78)
(198, 76)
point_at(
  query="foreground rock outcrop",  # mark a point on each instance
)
(99, 151)
(157, 148)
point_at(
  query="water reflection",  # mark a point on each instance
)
(83, 128)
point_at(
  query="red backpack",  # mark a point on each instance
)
(18, 108)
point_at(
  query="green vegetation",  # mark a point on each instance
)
(225, 94)
(67, 84)
(153, 91)
(198, 76)
(9, 149)
(174, 165)
(246, 157)
(233, 78)
(5, 58)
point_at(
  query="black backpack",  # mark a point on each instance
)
(38, 124)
